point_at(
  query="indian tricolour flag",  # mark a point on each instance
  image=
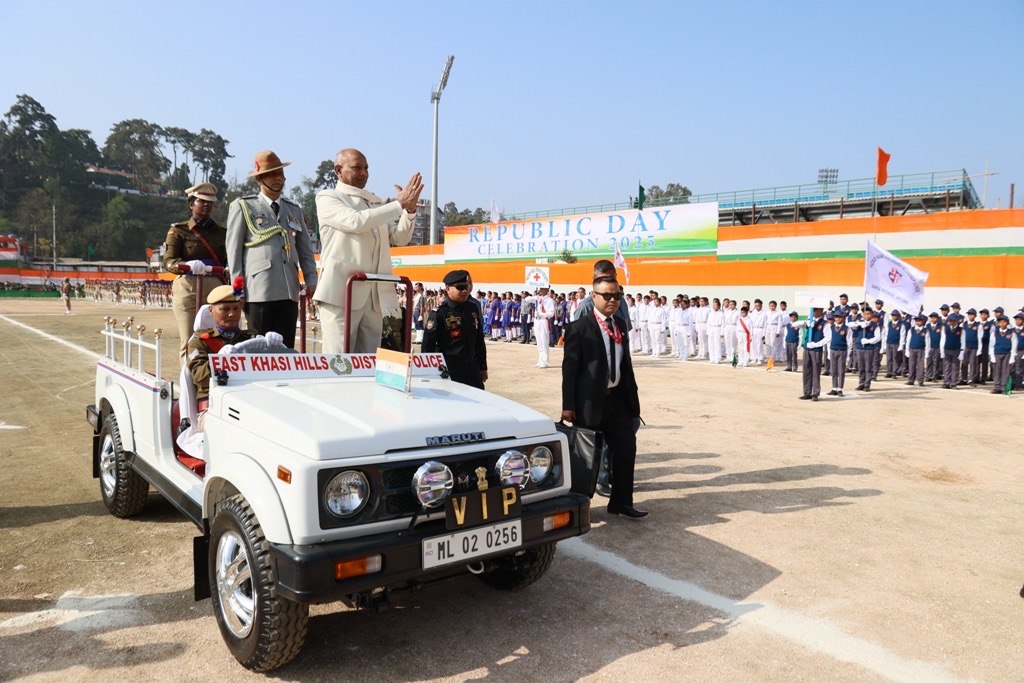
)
(394, 369)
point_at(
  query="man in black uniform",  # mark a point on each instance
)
(455, 329)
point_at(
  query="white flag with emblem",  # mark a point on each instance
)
(892, 280)
(620, 261)
(495, 216)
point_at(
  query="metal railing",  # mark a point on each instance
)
(934, 182)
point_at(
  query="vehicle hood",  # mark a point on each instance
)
(356, 417)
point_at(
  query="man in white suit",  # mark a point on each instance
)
(357, 230)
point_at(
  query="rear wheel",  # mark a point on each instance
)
(261, 629)
(516, 572)
(124, 491)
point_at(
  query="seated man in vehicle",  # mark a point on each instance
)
(226, 307)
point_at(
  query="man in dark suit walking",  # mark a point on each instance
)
(599, 389)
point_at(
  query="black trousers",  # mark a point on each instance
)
(464, 371)
(617, 427)
(273, 316)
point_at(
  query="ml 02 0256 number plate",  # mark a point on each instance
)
(466, 545)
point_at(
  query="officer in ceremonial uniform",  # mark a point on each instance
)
(267, 244)
(226, 307)
(455, 329)
(198, 243)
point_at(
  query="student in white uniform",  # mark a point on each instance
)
(700, 320)
(759, 323)
(643, 312)
(773, 335)
(657, 326)
(541, 316)
(731, 316)
(715, 327)
(682, 323)
(742, 338)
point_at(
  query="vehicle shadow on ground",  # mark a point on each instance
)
(74, 631)
(575, 621)
(30, 515)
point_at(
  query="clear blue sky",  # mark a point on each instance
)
(550, 104)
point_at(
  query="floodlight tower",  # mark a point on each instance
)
(828, 176)
(435, 97)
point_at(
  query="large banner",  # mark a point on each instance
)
(892, 280)
(675, 230)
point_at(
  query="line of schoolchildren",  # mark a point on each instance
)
(943, 346)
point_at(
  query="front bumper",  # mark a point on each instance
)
(305, 573)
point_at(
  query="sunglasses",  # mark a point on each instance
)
(609, 296)
(461, 288)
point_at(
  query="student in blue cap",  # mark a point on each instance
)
(952, 351)
(984, 364)
(972, 349)
(933, 364)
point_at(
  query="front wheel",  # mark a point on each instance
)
(261, 629)
(124, 491)
(516, 572)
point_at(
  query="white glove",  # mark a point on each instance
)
(198, 267)
(226, 349)
(274, 339)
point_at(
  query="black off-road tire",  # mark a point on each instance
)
(276, 626)
(516, 572)
(124, 491)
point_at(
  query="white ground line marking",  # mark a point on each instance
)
(819, 635)
(81, 349)
(4, 425)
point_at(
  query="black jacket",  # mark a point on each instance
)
(585, 372)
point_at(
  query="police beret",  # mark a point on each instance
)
(971, 310)
(222, 295)
(456, 277)
(943, 307)
(879, 302)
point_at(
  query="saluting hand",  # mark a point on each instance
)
(410, 194)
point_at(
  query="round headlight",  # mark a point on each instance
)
(432, 483)
(540, 463)
(513, 469)
(347, 493)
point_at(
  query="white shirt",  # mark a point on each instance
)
(657, 317)
(715, 318)
(731, 316)
(545, 308)
(758, 319)
(607, 349)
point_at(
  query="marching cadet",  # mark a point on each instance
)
(934, 357)
(870, 341)
(838, 345)
(812, 356)
(455, 329)
(895, 339)
(952, 351)
(918, 346)
(792, 341)
(984, 363)
(972, 349)
(1004, 347)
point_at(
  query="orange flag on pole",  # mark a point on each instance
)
(883, 167)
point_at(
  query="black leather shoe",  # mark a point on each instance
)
(839, 393)
(627, 510)
(910, 384)
(814, 398)
(833, 392)
(867, 388)
(805, 397)
(888, 375)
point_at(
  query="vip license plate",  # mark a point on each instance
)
(466, 545)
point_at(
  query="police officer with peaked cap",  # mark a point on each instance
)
(198, 243)
(456, 330)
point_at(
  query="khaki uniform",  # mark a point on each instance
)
(200, 346)
(183, 244)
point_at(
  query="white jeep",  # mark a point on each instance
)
(318, 482)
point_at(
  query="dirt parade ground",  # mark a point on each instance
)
(873, 537)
